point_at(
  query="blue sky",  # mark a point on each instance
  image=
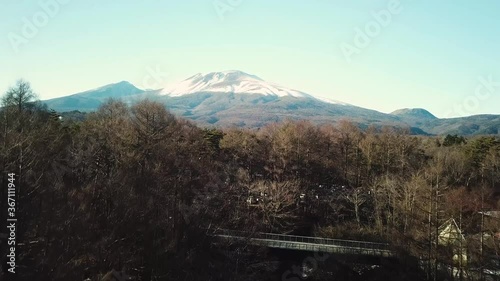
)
(430, 54)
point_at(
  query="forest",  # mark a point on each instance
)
(135, 189)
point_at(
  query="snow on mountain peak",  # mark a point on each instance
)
(235, 81)
(232, 81)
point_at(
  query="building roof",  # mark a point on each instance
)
(449, 232)
(493, 214)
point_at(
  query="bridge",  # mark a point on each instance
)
(312, 244)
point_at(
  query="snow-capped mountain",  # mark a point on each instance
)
(236, 82)
(235, 98)
(232, 81)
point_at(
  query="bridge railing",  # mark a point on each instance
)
(305, 239)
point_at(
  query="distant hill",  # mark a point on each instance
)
(235, 98)
(91, 99)
(471, 125)
(417, 113)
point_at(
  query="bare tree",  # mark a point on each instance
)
(356, 197)
(19, 95)
(278, 202)
(349, 138)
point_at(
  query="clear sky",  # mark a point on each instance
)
(423, 53)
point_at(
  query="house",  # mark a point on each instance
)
(450, 235)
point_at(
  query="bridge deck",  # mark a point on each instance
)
(314, 244)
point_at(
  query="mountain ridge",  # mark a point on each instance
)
(236, 98)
